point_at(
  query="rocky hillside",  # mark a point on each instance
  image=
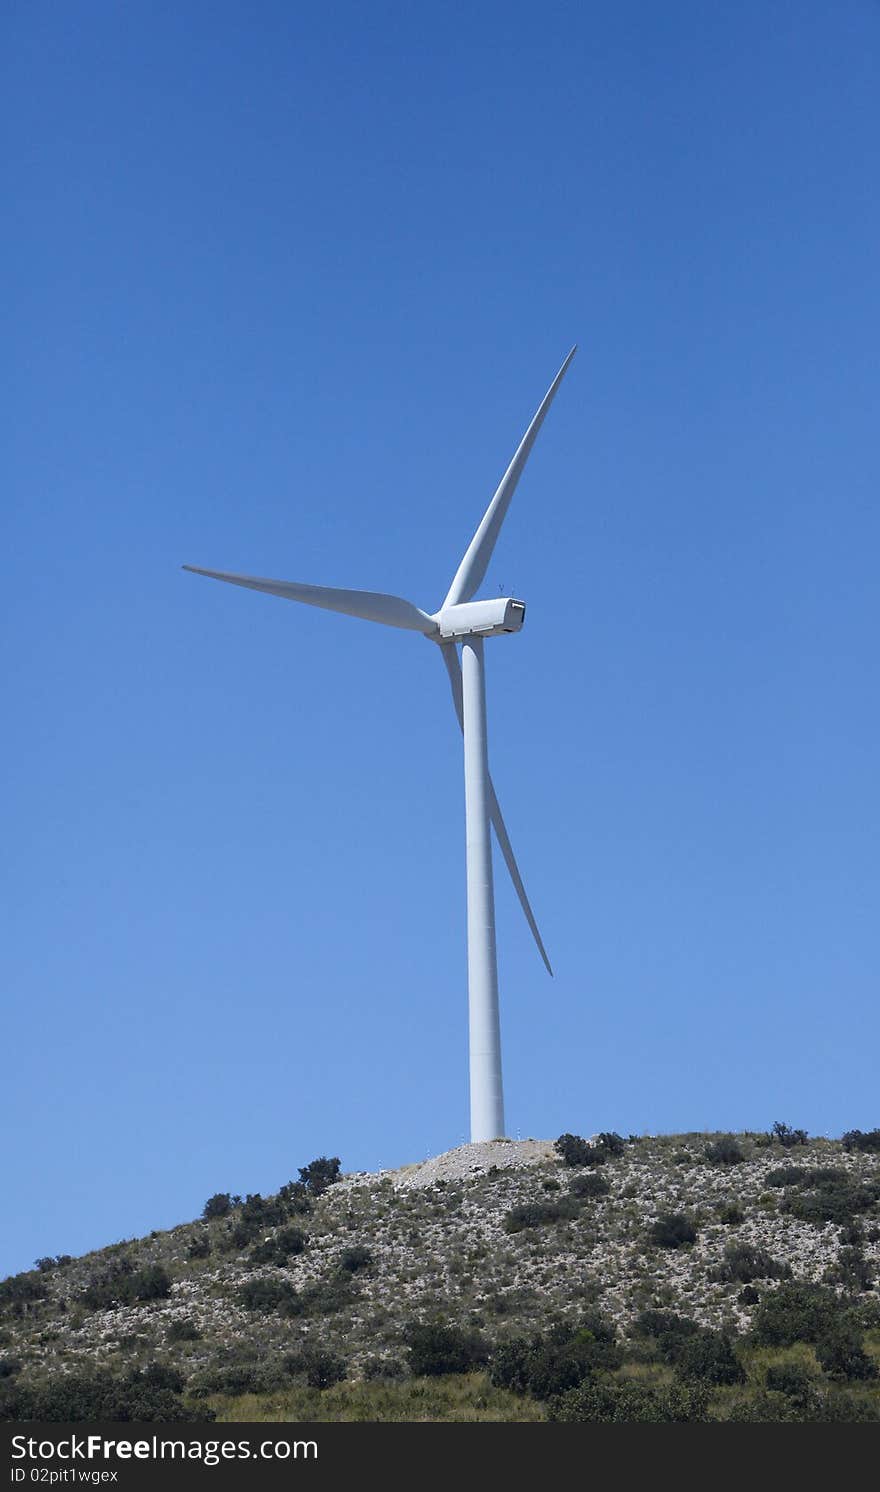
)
(489, 1243)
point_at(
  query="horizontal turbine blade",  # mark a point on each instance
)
(476, 560)
(372, 606)
(453, 668)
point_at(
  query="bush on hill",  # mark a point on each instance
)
(724, 1152)
(791, 1378)
(797, 1311)
(630, 1403)
(319, 1368)
(356, 1258)
(269, 1293)
(539, 1214)
(857, 1139)
(731, 1214)
(549, 1363)
(841, 1354)
(853, 1270)
(53, 1261)
(786, 1176)
(672, 1230)
(319, 1174)
(147, 1395)
(574, 1150)
(744, 1262)
(220, 1205)
(434, 1348)
(784, 1135)
(832, 1201)
(121, 1284)
(667, 1328)
(589, 1185)
(286, 1243)
(708, 1357)
(19, 1293)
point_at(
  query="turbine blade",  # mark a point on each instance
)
(510, 861)
(372, 606)
(453, 668)
(479, 552)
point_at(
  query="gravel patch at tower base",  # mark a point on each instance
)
(470, 1160)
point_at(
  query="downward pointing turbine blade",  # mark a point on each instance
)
(453, 668)
(372, 606)
(476, 560)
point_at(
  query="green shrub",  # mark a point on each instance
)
(286, 1243)
(831, 1202)
(836, 1406)
(235, 1379)
(708, 1357)
(326, 1297)
(182, 1330)
(841, 1354)
(549, 1363)
(147, 1395)
(434, 1349)
(539, 1214)
(321, 1369)
(383, 1367)
(852, 1234)
(827, 1175)
(852, 1270)
(784, 1135)
(151, 1283)
(724, 1152)
(790, 1378)
(356, 1258)
(840, 1406)
(296, 1199)
(573, 1150)
(672, 1230)
(786, 1176)
(629, 1403)
(220, 1205)
(19, 1293)
(9, 1366)
(744, 1262)
(731, 1214)
(319, 1174)
(857, 1139)
(120, 1284)
(199, 1247)
(668, 1329)
(53, 1261)
(589, 1185)
(268, 1293)
(264, 1212)
(797, 1312)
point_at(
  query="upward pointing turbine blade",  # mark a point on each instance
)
(453, 668)
(371, 606)
(479, 552)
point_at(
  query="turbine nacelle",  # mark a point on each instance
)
(479, 619)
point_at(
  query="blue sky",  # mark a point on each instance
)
(285, 285)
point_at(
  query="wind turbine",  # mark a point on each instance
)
(465, 622)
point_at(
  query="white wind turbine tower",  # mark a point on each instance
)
(460, 620)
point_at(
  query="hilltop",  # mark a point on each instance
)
(734, 1276)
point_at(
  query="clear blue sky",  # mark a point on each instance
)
(285, 284)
